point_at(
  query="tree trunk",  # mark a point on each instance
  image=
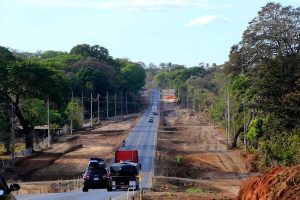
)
(236, 136)
(27, 130)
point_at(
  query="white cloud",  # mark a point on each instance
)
(206, 19)
(122, 4)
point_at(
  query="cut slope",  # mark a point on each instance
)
(278, 183)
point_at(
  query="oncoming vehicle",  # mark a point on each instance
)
(5, 191)
(150, 120)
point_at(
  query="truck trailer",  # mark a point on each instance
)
(124, 173)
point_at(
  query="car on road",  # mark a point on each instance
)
(5, 191)
(96, 162)
(150, 120)
(95, 177)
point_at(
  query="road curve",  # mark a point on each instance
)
(143, 138)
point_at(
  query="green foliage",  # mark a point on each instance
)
(255, 129)
(161, 80)
(5, 134)
(94, 51)
(29, 79)
(133, 76)
(61, 61)
(74, 112)
(194, 190)
(284, 149)
(179, 160)
(93, 80)
(217, 111)
(51, 54)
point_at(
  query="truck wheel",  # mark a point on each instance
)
(85, 189)
(109, 189)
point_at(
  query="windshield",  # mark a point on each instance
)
(97, 171)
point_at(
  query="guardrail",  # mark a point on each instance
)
(58, 186)
(6, 164)
(23, 153)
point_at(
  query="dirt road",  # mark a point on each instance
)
(190, 146)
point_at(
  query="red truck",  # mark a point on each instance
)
(127, 155)
(124, 173)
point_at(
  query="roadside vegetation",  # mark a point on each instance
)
(259, 84)
(69, 81)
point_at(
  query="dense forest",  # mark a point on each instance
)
(255, 95)
(67, 82)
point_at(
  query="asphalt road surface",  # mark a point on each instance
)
(143, 138)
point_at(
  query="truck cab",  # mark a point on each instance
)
(124, 175)
(125, 171)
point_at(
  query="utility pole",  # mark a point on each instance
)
(121, 104)
(126, 104)
(98, 109)
(187, 101)
(48, 109)
(228, 118)
(245, 140)
(107, 105)
(12, 134)
(82, 108)
(72, 118)
(178, 97)
(115, 104)
(91, 120)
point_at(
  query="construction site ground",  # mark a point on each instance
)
(193, 161)
(68, 157)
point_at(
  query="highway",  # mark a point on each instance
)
(143, 138)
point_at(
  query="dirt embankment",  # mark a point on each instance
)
(190, 146)
(67, 159)
(280, 183)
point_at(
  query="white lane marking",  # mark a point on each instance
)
(121, 196)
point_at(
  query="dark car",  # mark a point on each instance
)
(5, 191)
(95, 177)
(96, 162)
(150, 120)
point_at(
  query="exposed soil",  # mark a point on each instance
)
(67, 159)
(280, 183)
(190, 146)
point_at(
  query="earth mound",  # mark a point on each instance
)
(277, 183)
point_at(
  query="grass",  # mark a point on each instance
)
(193, 190)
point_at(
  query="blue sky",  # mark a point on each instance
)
(179, 31)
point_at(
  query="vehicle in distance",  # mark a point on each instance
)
(5, 191)
(95, 176)
(150, 120)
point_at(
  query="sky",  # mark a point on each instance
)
(184, 32)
